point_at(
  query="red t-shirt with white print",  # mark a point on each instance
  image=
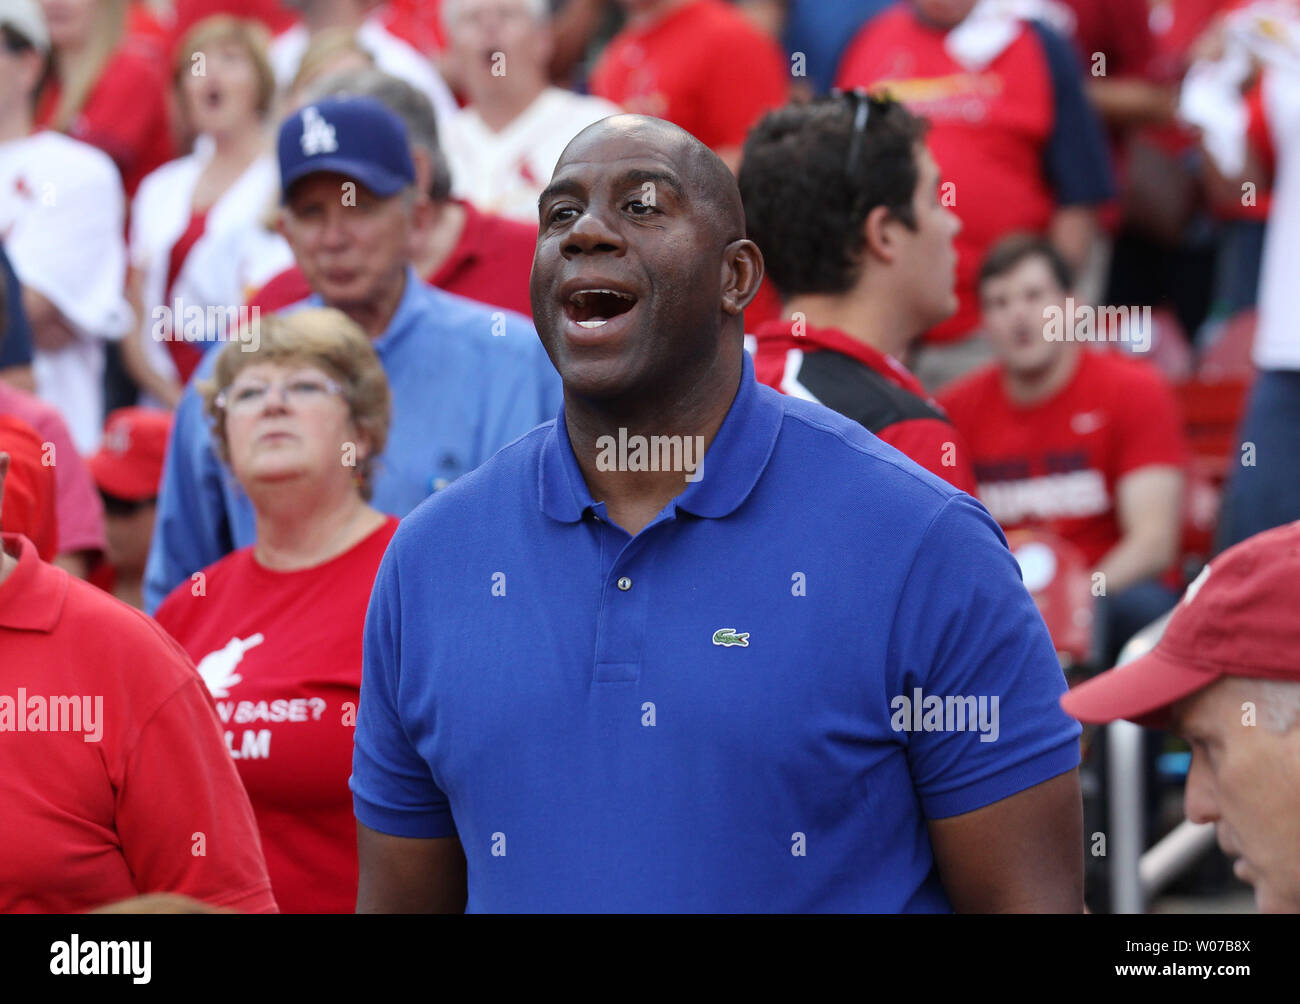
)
(281, 654)
(1057, 464)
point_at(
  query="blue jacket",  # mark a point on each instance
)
(466, 380)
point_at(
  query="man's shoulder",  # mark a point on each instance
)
(505, 482)
(978, 387)
(1115, 369)
(894, 22)
(164, 181)
(138, 640)
(61, 157)
(819, 446)
(486, 324)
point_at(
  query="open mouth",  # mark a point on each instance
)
(593, 308)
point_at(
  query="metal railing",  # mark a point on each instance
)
(1137, 873)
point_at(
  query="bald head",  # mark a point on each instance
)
(706, 178)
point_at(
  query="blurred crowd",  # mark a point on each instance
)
(1044, 248)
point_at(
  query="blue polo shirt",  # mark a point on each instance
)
(702, 717)
(465, 380)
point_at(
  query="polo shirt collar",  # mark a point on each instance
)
(409, 308)
(780, 334)
(732, 466)
(31, 599)
(471, 245)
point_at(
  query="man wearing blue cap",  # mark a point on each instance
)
(465, 379)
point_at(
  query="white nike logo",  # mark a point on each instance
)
(1087, 421)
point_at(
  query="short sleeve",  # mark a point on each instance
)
(393, 790)
(183, 817)
(1149, 432)
(967, 633)
(936, 446)
(1076, 159)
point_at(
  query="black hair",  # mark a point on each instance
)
(1013, 249)
(806, 200)
(14, 40)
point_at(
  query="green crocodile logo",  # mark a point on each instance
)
(728, 636)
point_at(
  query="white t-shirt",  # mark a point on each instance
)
(505, 172)
(1277, 336)
(61, 220)
(390, 53)
(161, 213)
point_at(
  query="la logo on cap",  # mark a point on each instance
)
(317, 134)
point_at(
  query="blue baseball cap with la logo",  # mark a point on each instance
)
(357, 137)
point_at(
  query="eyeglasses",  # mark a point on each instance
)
(860, 102)
(249, 396)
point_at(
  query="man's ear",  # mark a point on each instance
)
(742, 274)
(423, 169)
(878, 229)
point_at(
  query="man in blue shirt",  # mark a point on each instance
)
(465, 379)
(602, 676)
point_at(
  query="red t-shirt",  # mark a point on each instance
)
(418, 22)
(126, 113)
(703, 66)
(490, 263)
(136, 797)
(1055, 464)
(272, 13)
(1014, 138)
(862, 383)
(281, 654)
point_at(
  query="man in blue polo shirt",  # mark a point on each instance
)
(600, 675)
(465, 379)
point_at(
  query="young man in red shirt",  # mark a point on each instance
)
(1083, 442)
(116, 780)
(700, 64)
(1020, 147)
(859, 285)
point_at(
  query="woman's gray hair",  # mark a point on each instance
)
(409, 103)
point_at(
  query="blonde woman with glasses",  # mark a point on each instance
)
(275, 628)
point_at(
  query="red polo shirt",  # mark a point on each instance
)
(704, 66)
(862, 383)
(114, 779)
(490, 263)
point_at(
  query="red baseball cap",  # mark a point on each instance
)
(129, 463)
(1238, 618)
(28, 503)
